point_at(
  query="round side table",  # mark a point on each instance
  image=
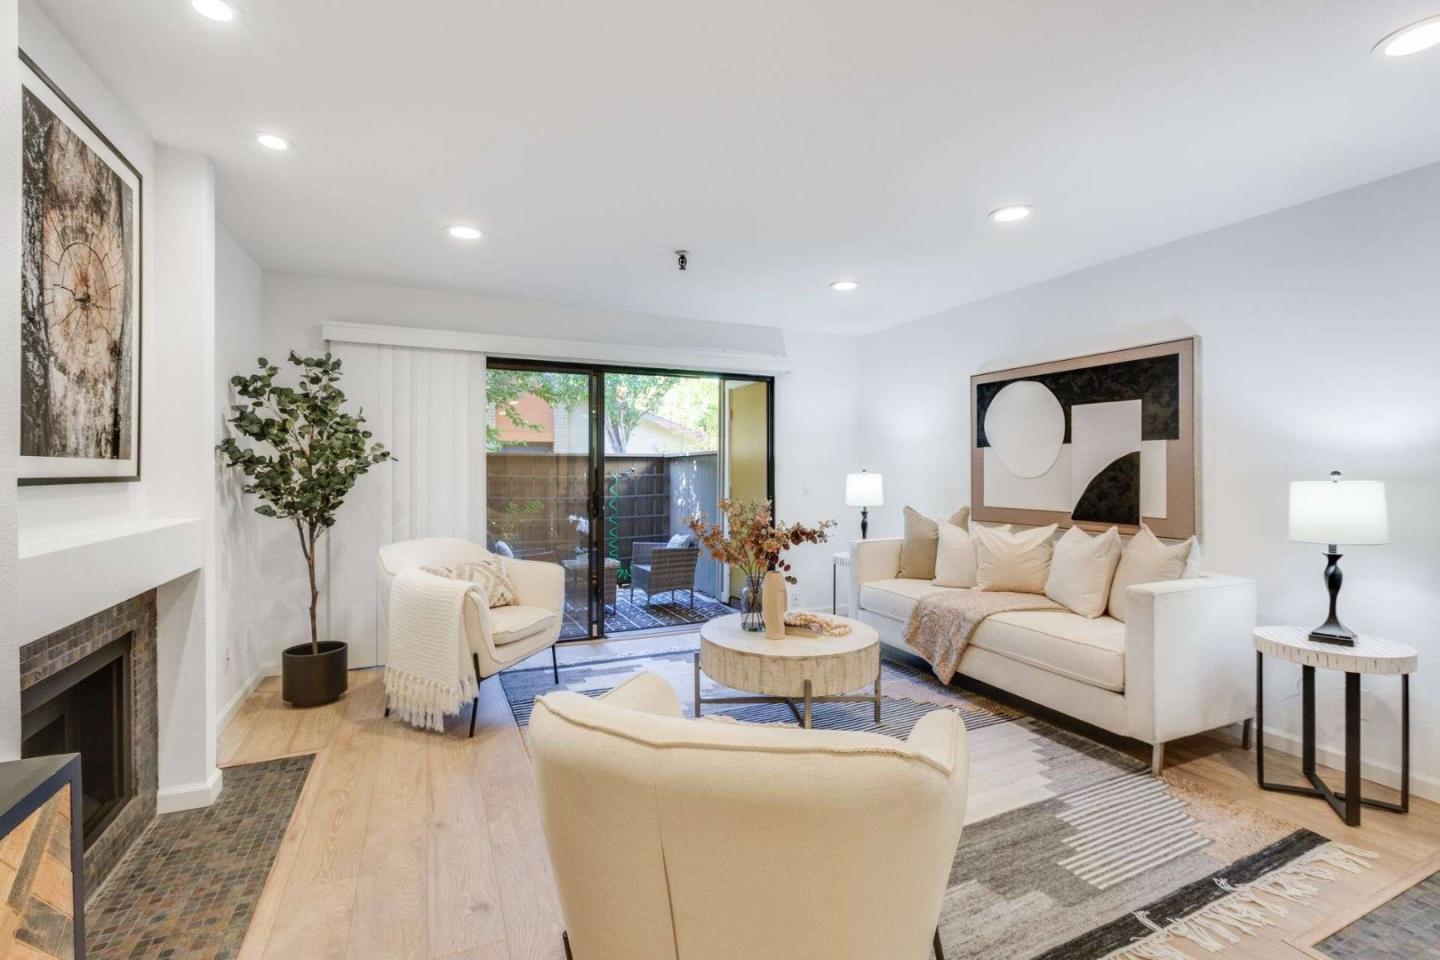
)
(806, 666)
(1369, 655)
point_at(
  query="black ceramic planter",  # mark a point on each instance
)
(309, 679)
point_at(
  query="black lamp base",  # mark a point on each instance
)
(1332, 630)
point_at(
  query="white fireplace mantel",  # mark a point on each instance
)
(68, 573)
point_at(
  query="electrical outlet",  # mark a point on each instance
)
(793, 595)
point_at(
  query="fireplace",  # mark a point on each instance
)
(84, 708)
(90, 689)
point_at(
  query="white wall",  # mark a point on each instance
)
(67, 504)
(177, 408)
(816, 409)
(239, 575)
(1319, 344)
(9, 385)
(181, 379)
(816, 405)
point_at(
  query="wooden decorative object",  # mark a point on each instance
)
(41, 859)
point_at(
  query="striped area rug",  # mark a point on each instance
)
(1071, 849)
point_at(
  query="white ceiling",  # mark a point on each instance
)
(785, 143)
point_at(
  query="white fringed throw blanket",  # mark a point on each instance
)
(428, 674)
(941, 624)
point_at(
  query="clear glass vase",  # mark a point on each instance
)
(752, 616)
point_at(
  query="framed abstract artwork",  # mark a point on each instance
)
(1094, 441)
(79, 294)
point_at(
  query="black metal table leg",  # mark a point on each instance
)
(1346, 804)
(1260, 717)
(1352, 749)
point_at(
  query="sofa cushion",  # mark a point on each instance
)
(955, 557)
(1081, 570)
(921, 540)
(1147, 560)
(1013, 562)
(1061, 642)
(508, 624)
(895, 598)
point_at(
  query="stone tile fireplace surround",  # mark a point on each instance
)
(134, 619)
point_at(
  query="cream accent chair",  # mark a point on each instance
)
(680, 839)
(499, 637)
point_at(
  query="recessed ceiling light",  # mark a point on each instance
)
(214, 9)
(1412, 39)
(462, 232)
(1010, 214)
(843, 285)
(271, 141)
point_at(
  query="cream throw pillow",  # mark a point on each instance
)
(1147, 560)
(1081, 570)
(488, 574)
(955, 557)
(1017, 562)
(922, 538)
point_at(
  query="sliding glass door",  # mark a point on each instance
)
(600, 468)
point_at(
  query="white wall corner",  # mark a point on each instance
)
(9, 386)
(190, 796)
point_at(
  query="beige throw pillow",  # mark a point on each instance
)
(1147, 560)
(922, 538)
(955, 557)
(1081, 570)
(1016, 562)
(488, 574)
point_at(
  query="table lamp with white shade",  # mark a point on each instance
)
(864, 490)
(1335, 512)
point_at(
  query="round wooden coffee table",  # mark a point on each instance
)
(803, 666)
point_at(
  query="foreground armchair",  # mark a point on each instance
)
(499, 637)
(676, 839)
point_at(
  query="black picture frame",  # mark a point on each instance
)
(139, 304)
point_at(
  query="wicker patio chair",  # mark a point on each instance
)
(661, 568)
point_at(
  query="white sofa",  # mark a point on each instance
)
(1181, 663)
(680, 839)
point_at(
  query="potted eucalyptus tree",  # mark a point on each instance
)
(306, 456)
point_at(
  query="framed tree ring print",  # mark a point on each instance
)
(79, 294)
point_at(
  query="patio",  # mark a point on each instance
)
(668, 610)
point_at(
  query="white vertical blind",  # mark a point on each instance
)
(428, 407)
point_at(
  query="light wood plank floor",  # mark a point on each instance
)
(408, 844)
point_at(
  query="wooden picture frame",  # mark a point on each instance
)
(1181, 452)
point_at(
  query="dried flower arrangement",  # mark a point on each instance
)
(755, 543)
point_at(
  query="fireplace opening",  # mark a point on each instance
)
(85, 709)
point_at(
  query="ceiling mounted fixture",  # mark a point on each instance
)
(462, 232)
(1421, 35)
(214, 10)
(1010, 214)
(844, 285)
(272, 141)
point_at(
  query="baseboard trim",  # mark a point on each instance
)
(190, 796)
(1381, 773)
(238, 700)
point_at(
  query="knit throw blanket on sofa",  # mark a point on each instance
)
(427, 672)
(941, 624)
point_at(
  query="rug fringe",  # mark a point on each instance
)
(1246, 908)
